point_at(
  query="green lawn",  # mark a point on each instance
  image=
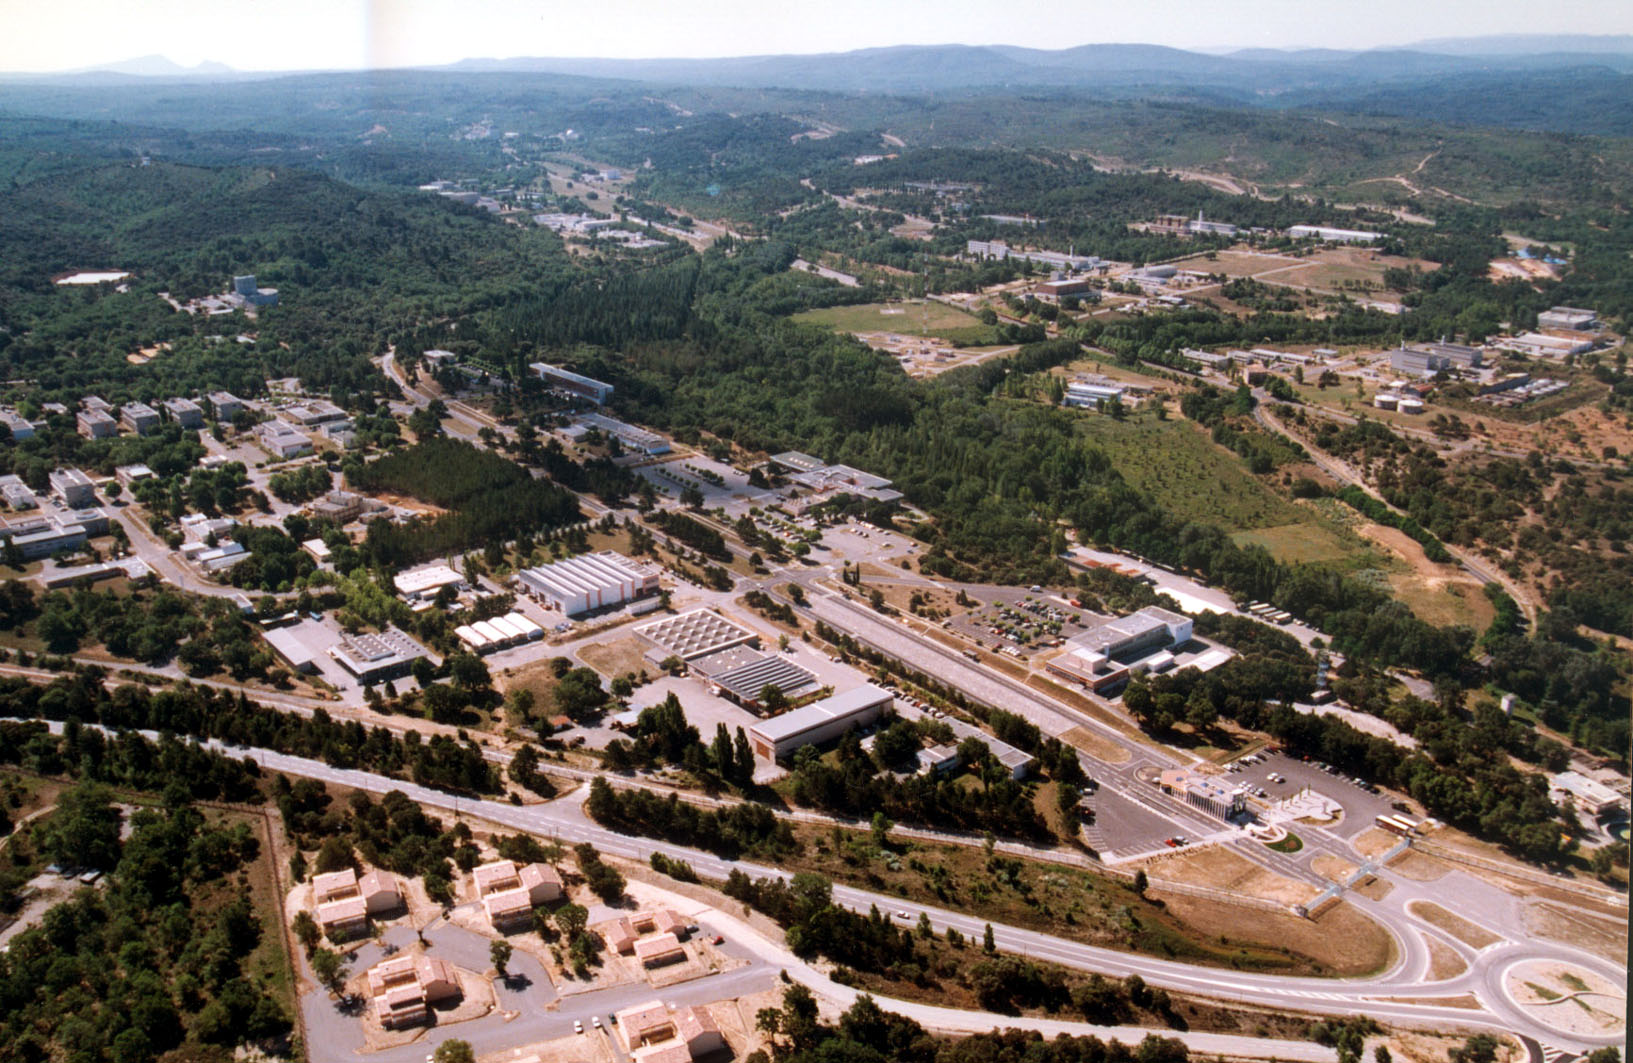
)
(906, 318)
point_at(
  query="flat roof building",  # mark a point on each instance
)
(573, 383)
(185, 412)
(96, 424)
(139, 417)
(316, 412)
(16, 492)
(637, 439)
(39, 536)
(1589, 795)
(1151, 627)
(694, 634)
(591, 581)
(1574, 318)
(821, 721)
(20, 427)
(1333, 236)
(743, 676)
(227, 405)
(1092, 396)
(74, 488)
(1537, 345)
(282, 440)
(426, 582)
(1428, 359)
(1204, 791)
(377, 658)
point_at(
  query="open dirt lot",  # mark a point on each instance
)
(1601, 937)
(1456, 926)
(1417, 867)
(1102, 749)
(615, 658)
(1439, 594)
(1226, 869)
(1444, 962)
(1374, 842)
(1340, 938)
(1331, 867)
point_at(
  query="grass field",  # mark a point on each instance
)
(906, 318)
(1307, 541)
(1191, 477)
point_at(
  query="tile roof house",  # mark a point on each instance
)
(404, 988)
(510, 893)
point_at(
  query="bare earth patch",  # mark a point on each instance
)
(1466, 1000)
(1374, 842)
(1417, 867)
(1374, 888)
(1602, 937)
(1225, 869)
(1332, 868)
(1096, 746)
(614, 658)
(1444, 962)
(1455, 925)
(1341, 938)
(1567, 998)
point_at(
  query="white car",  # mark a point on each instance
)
(578, 1027)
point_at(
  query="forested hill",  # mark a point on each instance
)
(354, 268)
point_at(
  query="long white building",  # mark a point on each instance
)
(592, 581)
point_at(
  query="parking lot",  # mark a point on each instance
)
(1361, 808)
(1023, 619)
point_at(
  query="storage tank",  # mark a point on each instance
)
(1386, 400)
(1410, 405)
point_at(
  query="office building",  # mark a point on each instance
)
(74, 488)
(821, 721)
(96, 424)
(311, 414)
(38, 536)
(131, 475)
(1206, 792)
(20, 427)
(573, 383)
(282, 440)
(184, 412)
(139, 417)
(16, 493)
(632, 438)
(583, 584)
(227, 405)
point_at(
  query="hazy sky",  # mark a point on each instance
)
(37, 35)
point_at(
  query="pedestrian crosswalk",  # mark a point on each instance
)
(1555, 1054)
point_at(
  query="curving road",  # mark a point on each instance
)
(1404, 994)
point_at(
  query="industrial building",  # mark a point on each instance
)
(1054, 290)
(1429, 359)
(1092, 396)
(1109, 654)
(281, 440)
(486, 636)
(1207, 358)
(1205, 792)
(314, 413)
(184, 412)
(742, 674)
(1180, 225)
(510, 893)
(824, 479)
(404, 988)
(1537, 345)
(1589, 795)
(74, 488)
(377, 658)
(427, 582)
(655, 1033)
(821, 721)
(692, 635)
(591, 581)
(96, 424)
(573, 383)
(1333, 236)
(1572, 318)
(637, 439)
(999, 251)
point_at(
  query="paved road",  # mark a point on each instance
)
(1402, 994)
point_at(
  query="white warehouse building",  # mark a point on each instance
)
(593, 581)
